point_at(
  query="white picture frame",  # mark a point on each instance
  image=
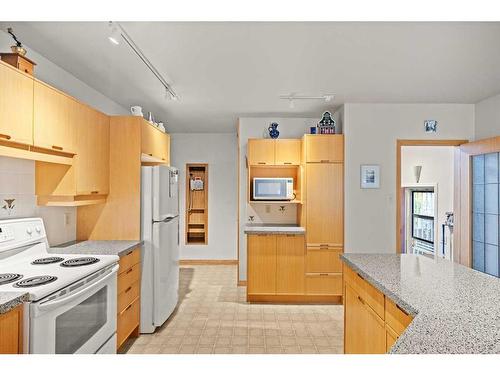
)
(370, 176)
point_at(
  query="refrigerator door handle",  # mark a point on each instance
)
(167, 219)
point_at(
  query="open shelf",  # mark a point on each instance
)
(197, 204)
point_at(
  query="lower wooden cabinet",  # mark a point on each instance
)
(372, 322)
(290, 264)
(129, 305)
(261, 264)
(11, 331)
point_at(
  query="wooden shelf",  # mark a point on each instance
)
(61, 201)
(295, 201)
(27, 153)
(197, 216)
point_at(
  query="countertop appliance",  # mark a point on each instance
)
(72, 298)
(160, 255)
(273, 188)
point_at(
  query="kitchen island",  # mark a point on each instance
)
(455, 309)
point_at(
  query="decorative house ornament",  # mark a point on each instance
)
(273, 130)
(430, 126)
(370, 176)
(327, 124)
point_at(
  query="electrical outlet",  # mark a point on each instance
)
(268, 209)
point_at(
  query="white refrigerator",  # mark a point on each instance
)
(160, 255)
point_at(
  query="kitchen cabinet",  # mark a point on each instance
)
(290, 264)
(325, 205)
(261, 264)
(11, 331)
(323, 148)
(364, 329)
(128, 304)
(390, 337)
(154, 142)
(260, 152)
(287, 151)
(323, 259)
(55, 118)
(16, 106)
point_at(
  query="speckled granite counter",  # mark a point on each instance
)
(97, 248)
(10, 300)
(273, 229)
(456, 309)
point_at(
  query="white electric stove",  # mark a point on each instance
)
(72, 306)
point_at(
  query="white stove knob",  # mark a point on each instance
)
(38, 229)
(29, 231)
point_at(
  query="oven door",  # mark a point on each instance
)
(269, 189)
(80, 321)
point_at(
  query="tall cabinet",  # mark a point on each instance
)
(323, 212)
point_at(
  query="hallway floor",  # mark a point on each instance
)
(213, 317)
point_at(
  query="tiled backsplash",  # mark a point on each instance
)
(17, 181)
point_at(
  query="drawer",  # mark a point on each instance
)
(324, 284)
(127, 321)
(395, 317)
(323, 260)
(25, 67)
(390, 338)
(366, 291)
(131, 258)
(126, 297)
(127, 278)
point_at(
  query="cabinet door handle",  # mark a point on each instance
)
(129, 270)
(361, 277)
(58, 148)
(94, 192)
(400, 309)
(361, 300)
(323, 246)
(287, 162)
(128, 289)
(324, 274)
(262, 163)
(325, 161)
(128, 307)
(5, 136)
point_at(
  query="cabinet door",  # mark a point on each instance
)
(16, 106)
(290, 266)
(102, 154)
(261, 275)
(325, 205)
(324, 148)
(11, 331)
(85, 151)
(55, 115)
(323, 260)
(364, 329)
(390, 338)
(260, 151)
(288, 151)
(166, 148)
(153, 141)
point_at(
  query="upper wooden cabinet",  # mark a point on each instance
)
(154, 142)
(325, 205)
(274, 151)
(92, 159)
(261, 151)
(55, 118)
(324, 148)
(16, 106)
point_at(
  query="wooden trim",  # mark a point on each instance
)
(399, 191)
(238, 203)
(208, 262)
(295, 299)
(483, 146)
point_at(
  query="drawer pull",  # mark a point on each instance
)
(287, 162)
(128, 289)
(59, 148)
(129, 270)
(5, 136)
(361, 277)
(261, 163)
(324, 274)
(130, 252)
(94, 192)
(325, 161)
(400, 309)
(128, 307)
(361, 300)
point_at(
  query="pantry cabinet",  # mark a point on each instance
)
(287, 151)
(324, 148)
(16, 106)
(55, 119)
(11, 331)
(154, 142)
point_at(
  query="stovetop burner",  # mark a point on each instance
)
(48, 260)
(35, 281)
(6, 278)
(77, 262)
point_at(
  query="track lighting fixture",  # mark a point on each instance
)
(292, 97)
(115, 35)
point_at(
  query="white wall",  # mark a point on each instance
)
(437, 168)
(220, 152)
(256, 127)
(487, 118)
(17, 176)
(371, 131)
(18, 182)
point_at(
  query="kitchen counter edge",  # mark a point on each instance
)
(104, 247)
(10, 300)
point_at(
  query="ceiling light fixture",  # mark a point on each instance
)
(292, 97)
(115, 36)
(123, 34)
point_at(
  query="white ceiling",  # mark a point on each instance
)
(225, 70)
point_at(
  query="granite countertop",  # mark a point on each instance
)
(456, 309)
(96, 247)
(10, 300)
(274, 229)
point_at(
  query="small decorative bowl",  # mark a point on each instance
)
(19, 50)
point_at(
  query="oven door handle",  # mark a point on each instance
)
(56, 302)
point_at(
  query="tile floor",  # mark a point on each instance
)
(213, 317)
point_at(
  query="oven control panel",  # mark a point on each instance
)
(6, 234)
(19, 232)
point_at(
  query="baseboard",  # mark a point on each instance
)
(295, 299)
(208, 262)
(242, 283)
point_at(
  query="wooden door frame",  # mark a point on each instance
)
(399, 191)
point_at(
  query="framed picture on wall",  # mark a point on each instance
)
(370, 176)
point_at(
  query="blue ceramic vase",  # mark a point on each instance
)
(273, 130)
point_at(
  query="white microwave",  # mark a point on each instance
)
(273, 189)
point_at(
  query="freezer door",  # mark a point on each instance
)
(166, 269)
(165, 193)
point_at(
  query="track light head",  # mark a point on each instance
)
(115, 35)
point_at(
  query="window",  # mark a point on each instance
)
(422, 220)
